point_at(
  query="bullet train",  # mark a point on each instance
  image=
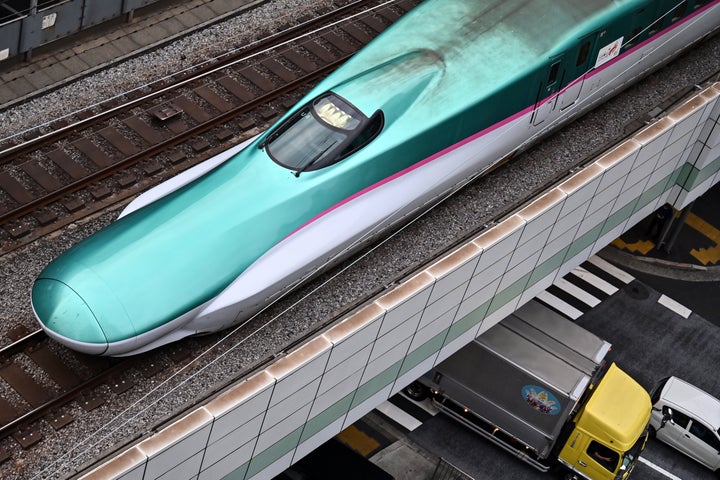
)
(449, 90)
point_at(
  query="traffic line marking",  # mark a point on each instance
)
(358, 440)
(676, 307)
(577, 292)
(658, 468)
(399, 415)
(611, 269)
(595, 281)
(558, 304)
(705, 255)
(642, 246)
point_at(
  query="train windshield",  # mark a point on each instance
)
(319, 134)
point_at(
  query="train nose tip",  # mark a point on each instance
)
(65, 316)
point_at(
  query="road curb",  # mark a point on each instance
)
(661, 268)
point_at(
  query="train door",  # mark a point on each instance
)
(547, 91)
(576, 74)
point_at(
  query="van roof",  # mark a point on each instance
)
(694, 400)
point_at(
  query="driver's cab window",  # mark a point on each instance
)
(321, 133)
(603, 455)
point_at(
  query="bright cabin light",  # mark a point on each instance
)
(334, 116)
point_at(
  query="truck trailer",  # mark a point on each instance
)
(542, 387)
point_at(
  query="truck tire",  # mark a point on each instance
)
(417, 391)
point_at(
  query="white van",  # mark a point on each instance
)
(687, 419)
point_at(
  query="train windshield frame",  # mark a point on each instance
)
(321, 133)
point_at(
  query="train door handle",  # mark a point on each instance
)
(582, 464)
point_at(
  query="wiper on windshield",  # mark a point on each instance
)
(314, 160)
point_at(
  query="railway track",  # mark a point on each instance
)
(70, 168)
(46, 379)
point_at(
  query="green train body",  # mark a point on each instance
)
(437, 99)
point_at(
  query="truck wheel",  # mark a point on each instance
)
(417, 391)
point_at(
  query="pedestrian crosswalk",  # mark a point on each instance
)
(584, 287)
(576, 293)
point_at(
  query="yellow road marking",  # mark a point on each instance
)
(642, 246)
(358, 440)
(705, 255)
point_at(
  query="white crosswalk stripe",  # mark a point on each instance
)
(594, 280)
(399, 415)
(560, 305)
(584, 288)
(611, 269)
(577, 292)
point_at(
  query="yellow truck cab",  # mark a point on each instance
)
(610, 429)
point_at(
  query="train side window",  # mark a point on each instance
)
(633, 38)
(583, 54)
(554, 69)
(654, 28)
(700, 3)
(678, 12)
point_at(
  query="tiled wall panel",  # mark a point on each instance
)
(344, 370)
(182, 440)
(369, 402)
(240, 405)
(319, 438)
(354, 334)
(454, 271)
(337, 392)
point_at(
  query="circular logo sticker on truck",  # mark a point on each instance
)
(541, 400)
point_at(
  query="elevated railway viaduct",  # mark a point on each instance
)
(265, 422)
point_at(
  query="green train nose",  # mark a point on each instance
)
(62, 312)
